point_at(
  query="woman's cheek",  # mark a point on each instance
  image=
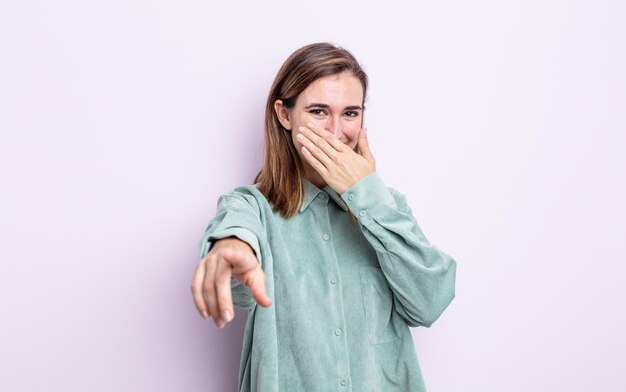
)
(354, 137)
(317, 122)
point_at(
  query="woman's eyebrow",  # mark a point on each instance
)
(324, 106)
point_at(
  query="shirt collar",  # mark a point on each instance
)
(311, 191)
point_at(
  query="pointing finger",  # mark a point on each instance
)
(247, 269)
(257, 288)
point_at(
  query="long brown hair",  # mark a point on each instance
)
(280, 178)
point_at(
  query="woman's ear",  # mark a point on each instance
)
(283, 114)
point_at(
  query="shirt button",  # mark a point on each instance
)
(322, 196)
(362, 213)
(351, 196)
(338, 331)
(344, 383)
(333, 280)
(326, 237)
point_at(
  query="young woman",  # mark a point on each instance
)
(329, 261)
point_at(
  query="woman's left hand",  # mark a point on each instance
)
(337, 163)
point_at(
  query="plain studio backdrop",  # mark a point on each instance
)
(123, 121)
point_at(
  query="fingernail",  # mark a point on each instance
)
(227, 316)
(301, 129)
(220, 324)
(205, 315)
(310, 125)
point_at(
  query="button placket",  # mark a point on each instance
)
(340, 345)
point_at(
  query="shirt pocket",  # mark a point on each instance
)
(380, 319)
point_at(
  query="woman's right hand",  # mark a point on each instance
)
(211, 284)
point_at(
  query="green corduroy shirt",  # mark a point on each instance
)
(344, 293)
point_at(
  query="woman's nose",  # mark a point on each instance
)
(334, 126)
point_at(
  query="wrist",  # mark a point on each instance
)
(230, 242)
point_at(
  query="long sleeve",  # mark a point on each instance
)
(342, 293)
(237, 215)
(421, 276)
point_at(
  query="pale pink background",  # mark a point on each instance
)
(122, 122)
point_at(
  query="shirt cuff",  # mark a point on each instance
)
(367, 194)
(242, 233)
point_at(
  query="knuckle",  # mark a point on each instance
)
(211, 258)
(248, 279)
(208, 287)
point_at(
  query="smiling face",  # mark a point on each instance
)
(333, 102)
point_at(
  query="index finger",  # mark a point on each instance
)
(257, 289)
(253, 278)
(329, 137)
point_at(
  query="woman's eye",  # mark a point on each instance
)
(352, 114)
(317, 112)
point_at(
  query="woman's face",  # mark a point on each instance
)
(333, 102)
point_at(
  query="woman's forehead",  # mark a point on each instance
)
(343, 89)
